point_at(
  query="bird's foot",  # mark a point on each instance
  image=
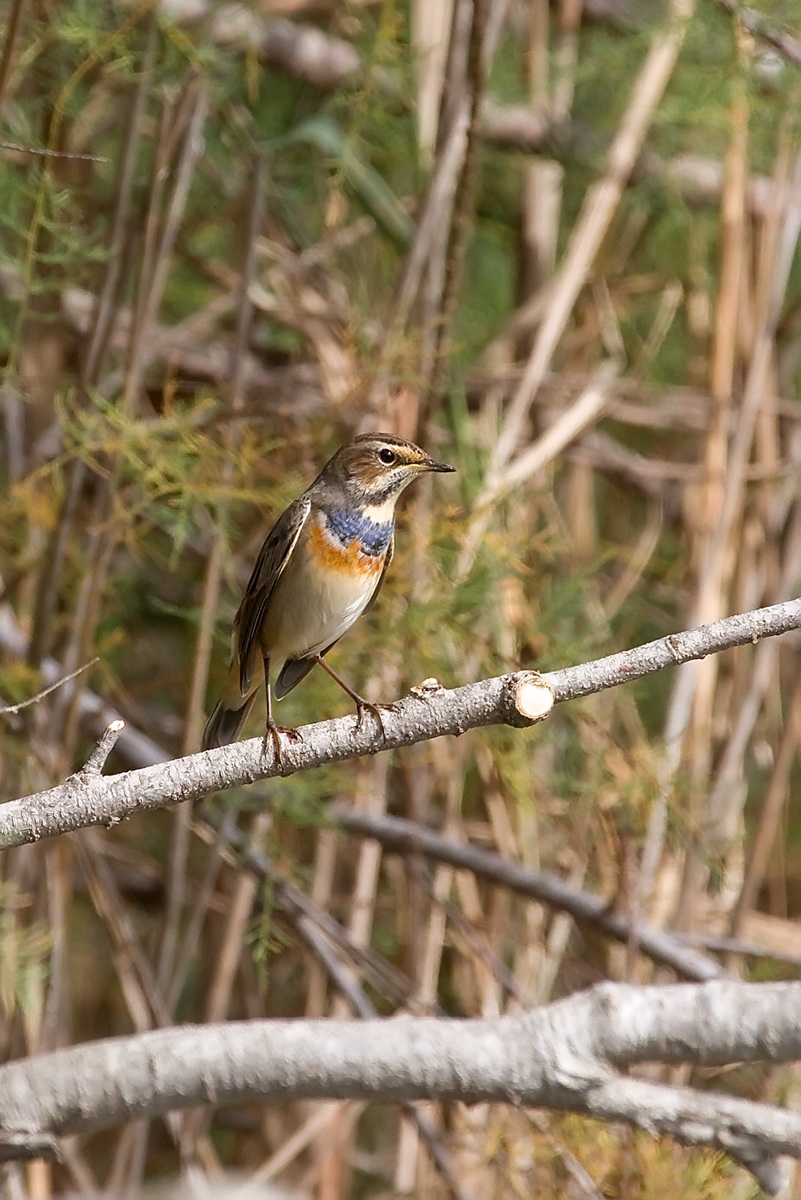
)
(363, 706)
(272, 735)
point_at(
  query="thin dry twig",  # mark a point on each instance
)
(41, 152)
(10, 709)
(750, 19)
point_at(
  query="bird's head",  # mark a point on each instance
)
(375, 467)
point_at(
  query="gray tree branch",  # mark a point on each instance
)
(408, 837)
(429, 711)
(568, 1056)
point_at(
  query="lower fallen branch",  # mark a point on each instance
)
(566, 1056)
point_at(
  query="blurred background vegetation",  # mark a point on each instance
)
(556, 245)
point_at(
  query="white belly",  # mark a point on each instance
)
(309, 610)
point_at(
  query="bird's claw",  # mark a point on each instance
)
(363, 706)
(272, 734)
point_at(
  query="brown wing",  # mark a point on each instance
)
(272, 558)
(296, 669)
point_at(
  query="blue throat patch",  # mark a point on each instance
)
(349, 526)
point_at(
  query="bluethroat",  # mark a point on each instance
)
(321, 566)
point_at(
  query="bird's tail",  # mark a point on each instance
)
(230, 713)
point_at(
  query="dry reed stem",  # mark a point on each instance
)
(775, 263)
(599, 207)
(119, 262)
(725, 803)
(187, 127)
(584, 412)
(211, 587)
(542, 182)
(333, 1148)
(424, 267)
(203, 900)
(726, 796)
(137, 980)
(710, 601)
(408, 1164)
(770, 815)
(427, 965)
(231, 939)
(485, 25)
(322, 895)
(7, 58)
(370, 793)
(58, 868)
(430, 23)
(781, 237)
(296, 1144)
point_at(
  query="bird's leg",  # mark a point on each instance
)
(272, 730)
(362, 705)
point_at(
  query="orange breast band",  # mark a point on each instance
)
(330, 554)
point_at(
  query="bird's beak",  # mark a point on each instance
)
(431, 464)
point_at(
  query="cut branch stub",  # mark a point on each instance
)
(533, 696)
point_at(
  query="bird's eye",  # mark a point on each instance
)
(386, 455)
